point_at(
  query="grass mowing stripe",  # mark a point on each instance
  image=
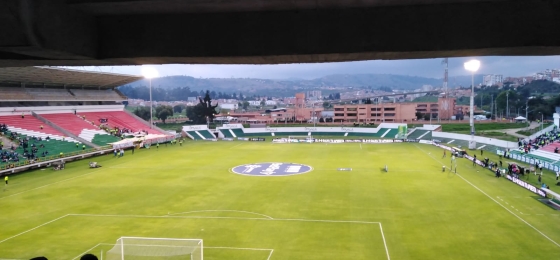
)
(474, 186)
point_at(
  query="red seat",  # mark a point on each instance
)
(70, 122)
(120, 119)
(551, 147)
(29, 123)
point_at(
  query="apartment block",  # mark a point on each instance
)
(444, 108)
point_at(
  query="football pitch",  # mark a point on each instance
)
(413, 211)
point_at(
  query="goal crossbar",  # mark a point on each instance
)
(164, 248)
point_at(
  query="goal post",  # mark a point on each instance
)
(149, 248)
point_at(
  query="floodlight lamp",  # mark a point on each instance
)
(472, 65)
(149, 72)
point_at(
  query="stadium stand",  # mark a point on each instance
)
(70, 122)
(31, 126)
(417, 134)
(195, 135)
(238, 132)
(81, 128)
(86, 94)
(45, 148)
(227, 133)
(551, 147)
(206, 134)
(8, 93)
(104, 139)
(392, 133)
(49, 94)
(119, 119)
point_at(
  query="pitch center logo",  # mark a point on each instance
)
(271, 169)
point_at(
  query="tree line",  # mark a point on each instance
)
(178, 94)
(541, 96)
(201, 113)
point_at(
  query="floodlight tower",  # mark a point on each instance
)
(445, 82)
(472, 66)
(150, 73)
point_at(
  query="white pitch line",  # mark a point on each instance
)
(218, 210)
(490, 197)
(384, 243)
(29, 230)
(238, 248)
(239, 218)
(46, 185)
(235, 146)
(196, 217)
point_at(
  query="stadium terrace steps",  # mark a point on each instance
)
(392, 133)
(206, 134)
(551, 147)
(227, 133)
(88, 134)
(427, 136)
(238, 132)
(29, 123)
(194, 135)
(104, 139)
(72, 123)
(53, 146)
(417, 134)
(120, 119)
(550, 155)
(40, 134)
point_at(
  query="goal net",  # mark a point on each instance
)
(147, 248)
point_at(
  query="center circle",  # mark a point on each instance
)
(271, 169)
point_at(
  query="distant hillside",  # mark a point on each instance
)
(289, 86)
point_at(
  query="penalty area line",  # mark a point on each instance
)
(384, 242)
(511, 212)
(29, 230)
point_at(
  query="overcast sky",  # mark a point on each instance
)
(507, 66)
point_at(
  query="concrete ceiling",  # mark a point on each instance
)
(127, 32)
(63, 77)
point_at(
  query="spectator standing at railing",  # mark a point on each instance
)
(22, 115)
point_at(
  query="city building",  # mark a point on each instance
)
(492, 80)
(444, 108)
(230, 106)
(314, 93)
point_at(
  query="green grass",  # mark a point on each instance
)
(481, 126)
(497, 135)
(424, 213)
(532, 131)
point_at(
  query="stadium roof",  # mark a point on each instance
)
(64, 77)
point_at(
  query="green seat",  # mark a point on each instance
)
(226, 133)
(103, 140)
